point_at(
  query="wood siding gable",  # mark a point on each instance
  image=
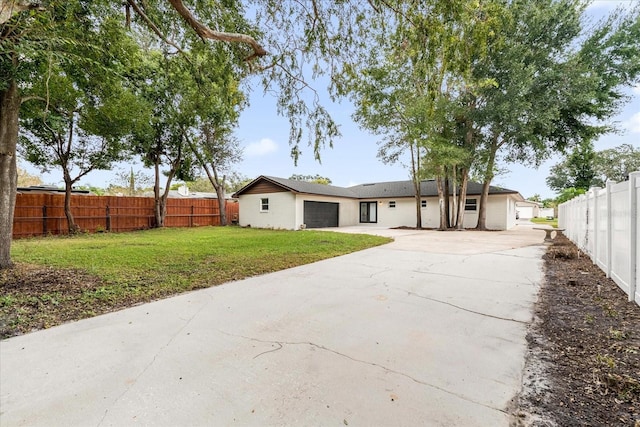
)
(264, 187)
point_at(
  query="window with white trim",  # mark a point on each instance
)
(471, 205)
(264, 205)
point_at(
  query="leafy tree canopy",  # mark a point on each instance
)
(317, 179)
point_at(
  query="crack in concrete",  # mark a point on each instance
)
(365, 362)
(153, 360)
(511, 282)
(508, 319)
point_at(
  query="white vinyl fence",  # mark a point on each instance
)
(604, 223)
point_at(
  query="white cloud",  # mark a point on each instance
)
(261, 148)
(633, 124)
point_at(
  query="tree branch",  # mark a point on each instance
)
(32, 97)
(207, 33)
(154, 27)
(8, 8)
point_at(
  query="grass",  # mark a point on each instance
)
(67, 278)
(544, 221)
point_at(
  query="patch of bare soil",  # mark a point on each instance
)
(583, 366)
(37, 297)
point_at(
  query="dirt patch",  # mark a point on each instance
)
(36, 297)
(583, 366)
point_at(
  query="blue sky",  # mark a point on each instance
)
(352, 160)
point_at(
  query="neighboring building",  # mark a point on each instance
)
(44, 189)
(528, 209)
(271, 202)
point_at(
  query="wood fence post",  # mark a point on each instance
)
(44, 220)
(191, 217)
(633, 234)
(108, 219)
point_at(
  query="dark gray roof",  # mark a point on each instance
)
(312, 187)
(369, 191)
(302, 187)
(428, 188)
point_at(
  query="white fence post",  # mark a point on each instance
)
(609, 228)
(594, 255)
(633, 234)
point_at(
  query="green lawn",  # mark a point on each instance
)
(544, 221)
(66, 278)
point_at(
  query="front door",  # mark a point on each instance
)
(368, 211)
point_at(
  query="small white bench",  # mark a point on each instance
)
(548, 231)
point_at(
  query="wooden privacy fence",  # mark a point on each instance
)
(605, 223)
(43, 214)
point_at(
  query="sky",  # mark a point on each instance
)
(353, 160)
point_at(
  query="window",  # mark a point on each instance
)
(392, 204)
(423, 203)
(471, 205)
(264, 205)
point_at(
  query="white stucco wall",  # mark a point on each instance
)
(501, 212)
(404, 213)
(286, 211)
(281, 213)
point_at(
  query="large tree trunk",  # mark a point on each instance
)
(9, 113)
(157, 199)
(482, 209)
(219, 187)
(462, 200)
(447, 200)
(488, 177)
(415, 178)
(416, 189)
(71, 223)
(222, 205)
(444, 222)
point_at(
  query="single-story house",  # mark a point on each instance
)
(271, 202)
(528, 209)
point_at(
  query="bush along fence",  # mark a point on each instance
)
(43, 214)
(604, 223)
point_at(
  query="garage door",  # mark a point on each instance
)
(320, 214)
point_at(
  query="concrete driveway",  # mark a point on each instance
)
(427, 330)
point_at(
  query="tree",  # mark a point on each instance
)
(317, 179)
(25, 179)
(413, 84)
(556, 81)
(34, 34)
(300, 39)
(568, 194)
(584, 168)
(615, 164)
(162, 143)
(235, 181)
(217, 150)
(82, 127)
(130, 183)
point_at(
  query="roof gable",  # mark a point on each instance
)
(282, 184)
